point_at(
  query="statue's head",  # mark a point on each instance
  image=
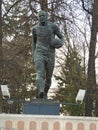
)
(42, 17)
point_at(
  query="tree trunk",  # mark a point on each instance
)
(96, 91)
(91, 79)
(1, 56)
(0, 23)
(44, 5)
(1, 53)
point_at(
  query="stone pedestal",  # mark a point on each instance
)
(41, 107)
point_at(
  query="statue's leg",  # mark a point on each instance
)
(40, 69)
(49, 72)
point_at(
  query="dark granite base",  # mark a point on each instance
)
(41, 107)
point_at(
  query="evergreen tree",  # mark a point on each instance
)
(70, 80)
(18, 70)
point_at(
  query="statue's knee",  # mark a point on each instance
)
(48, 82)
(39, 79)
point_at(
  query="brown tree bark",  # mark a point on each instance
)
(1, 52)
(91, 76)
(44, 5)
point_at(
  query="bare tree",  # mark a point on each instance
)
(91, 76)
(1, 53)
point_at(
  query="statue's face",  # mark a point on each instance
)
(42, 17)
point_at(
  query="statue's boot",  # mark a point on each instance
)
(46, 89)
(41, 95)
(40, 86)
(45, 96)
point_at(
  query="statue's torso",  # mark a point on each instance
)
(44, 36)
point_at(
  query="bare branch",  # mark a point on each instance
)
(85, 8)
(31, 8)
(11, 8)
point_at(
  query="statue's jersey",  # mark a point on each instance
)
(44, 36)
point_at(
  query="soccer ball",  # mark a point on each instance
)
(56, 43)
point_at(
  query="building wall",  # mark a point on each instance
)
(44, 122)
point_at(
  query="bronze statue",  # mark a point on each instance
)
(44, 44)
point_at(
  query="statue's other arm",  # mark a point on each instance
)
(34, 39)
(58, 33)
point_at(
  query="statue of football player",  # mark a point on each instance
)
(44, 44)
